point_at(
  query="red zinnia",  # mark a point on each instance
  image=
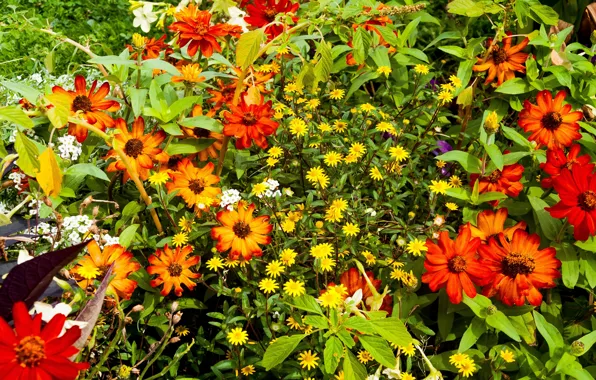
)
(504, 181)
(354, 281)
(263, 12)
(248, 122)
(519, 268)
(557, 161)
(194, 26)
(32, 352)
(453, 264)
(550, 122)
(577, 190)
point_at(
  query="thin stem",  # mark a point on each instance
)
(173, 362)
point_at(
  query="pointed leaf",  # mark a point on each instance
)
(16, 115)
(279, 350)
(49, 176)
(332, 354)
(28, 154)
(247, 48)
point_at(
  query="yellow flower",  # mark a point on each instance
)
(313, 104)
(275, 152)
(331, 298)
(321, 250)
(397, 274)
(317, 175)
(278, 115)
(458, 359)
(283, 50)
(190, 73)
(451, 206)
(491, 123)
(308, 360)
(448, 87)
(275, 268)
(340, 375)
(288, 225)
(364, 356)
(398, 153)
(409, 350)
(340, 126)
(454, 181)
(324, 127)
(407, 376)
(357, 149)
(441, 164)
(370, 258)
(375, 174)
(272, 161)
(421, 69)
(248, 370)
(507, 356)
(259, 189)
(292, 87)
(288, 256)
(179, 239)
(386, 127)
(215, 263)
(332, 159)
(416, 247)
(455, 81)
(185, 224)
(159, 178)
(445, 96)
(351, 158)
(337, 94)
(138, 40)
(327, 264)
(384, 70)
(182, 331)
(294, 288)
(291, 322)
(350, 229)
(439, 187)
(267, 285)
(467, 368)
(367, 107)
(298, 127)
(237, 336)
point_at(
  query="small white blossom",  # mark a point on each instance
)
(237, 18)
(229, 198)
(69, 148)
(17, 179)
(144, 16)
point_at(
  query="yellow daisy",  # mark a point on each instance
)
(215, 263)
(159, 178)
(294, 288)
(275, 268)
(421, 69)
(179, 239)
(416, 247)
(337, 94)
(332, 159)
(267, 285)
(308, 359)
(439, 187)
(288, 256)
(375, 174)
(186, 224)
(398, 153)
(237, 336)
(350, 229)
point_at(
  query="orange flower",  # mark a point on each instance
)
(253, 79)
(550, 122)
(89, 104)
(248, 122)
(190, 73)
(201, 133)
(194, 184)
(93, 267)
(556, 161)
(493, 223)
(142, 150)
(173, 269)
(503, 62)
(241, 232)
(518, 268)
(505, 181)
(354, 281)
(453, 264)
(223, 95)
(152, 48)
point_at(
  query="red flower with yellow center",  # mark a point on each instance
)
(492, 223)
(173, 269)
(152, 48)
(550, 121)
(94, 266)
(453, 264)
(503, 61)
(241, 232)
(32, 352)
(193, 27)
(556, 160)
(89, 104)
(354, 281)
(518, 268)
(248, 122)
(505, 181)
(577, 190)
(194, 185)
(263, 12)
(140, 148)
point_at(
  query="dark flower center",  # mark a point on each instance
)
(30, 351)
(196, 186)
(270, 14)
(517, 263)
(133, 148)
(457, 264)
(201, 29)
(552, 120)
(241, 229)
(499, 55)
(202, 132)
(81, 103)
(173, 162)
(587, 200)
(249, 118)
(175, 270)
(494, 176)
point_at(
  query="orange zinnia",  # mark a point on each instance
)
(453, 264)
(152, 48)
(493, 223)
(550, 122)
(224, 94)
(194, 184)
(87, 103)
(241, 232)
(142, 149)
(519, 268)
(173, 269)
(93, 267)
(202, 133)
(248, 122)
(504, 181)
(503, 62)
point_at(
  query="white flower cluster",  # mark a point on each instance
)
(34, 207)
(17, 179)
(69, 148)
(4, 208)
(272, 190)
(229, 198)
(13, 135)
(73, 230)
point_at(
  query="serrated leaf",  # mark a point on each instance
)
(28, 154)
(279, 350)
(247, 48)
(49, 176)
(393, 330)
(307, 303)
(379, 349)
(361, 42)
(332, 354)
(353, 369)
(17, 116)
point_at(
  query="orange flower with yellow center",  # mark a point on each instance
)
(89, 104)
(503, 61)
(173, 269)
(194, 184)
(241, 232)
(142, 149)
(94, 266)
(493, 223)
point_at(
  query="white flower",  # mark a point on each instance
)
(229, 198)
(237, 18)
(48, 312)
(69, 148)
(144, 16)
(4, 209)
(353, 301)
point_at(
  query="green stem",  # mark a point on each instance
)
(159, 352)
(172, 363)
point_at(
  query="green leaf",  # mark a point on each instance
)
(388, 34)
(204, 122)
(514, 87)
(190, 303)
(478, 304)
(28, 154)
(516, 137)
(459, 193)
(455, 51)
(393, 330)
(499, 321)
(179, 106)
(444, 36)
(445, 319)
(137, 99)
(549, 225)
(359, 324)
(112, 60)
(172, 129)
(495, 155)
(362, 40)
(587, 341)
(569, 264)
(247, 48)
(306, 303)
(16, 115)
(488, 197)
(549, 332)
(379, 349)
(127, 236)
(332, 354)
(324, 64)
(29, 93)
(189, 146)
(159, 64)
(356, 83)
(472, 8)
(279, 350)
(474, 331)
(316, 321)
(543, 13)
(470, 163)
(405, 35)
(87, 169)
(353, 369)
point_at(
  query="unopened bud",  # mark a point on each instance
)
(128, 320)
(175, 340)
(577, 348)
(124, 372)
(138, 308)
(589, 112)
(138, 41)
(491, 123)
(174, 306)
(491, 310)
(95, 211)
(176, 318)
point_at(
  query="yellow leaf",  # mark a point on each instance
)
(49, 176)
(59, 111)
(253, 96)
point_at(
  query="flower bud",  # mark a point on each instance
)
(491, 123)
(174, 306)
(577, 348)
(176, 318)
(138, 308)
(175, 340)
(491, 310)
(138, 41)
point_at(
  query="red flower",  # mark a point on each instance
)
(505, 181)
(152, 48)
(503, 61)
(194, 26)
(577, 190)
(518, 268)
(32, 352)
(550, 122)
(250, 122)
(354, 281)
(263, 12)
(557, 161)
(453, 264)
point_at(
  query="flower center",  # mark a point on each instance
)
(270, 14)
(499, 55)
(133, 148)
(587, 200)
(552, 120)
(517, 263)
(494, 176)
(196, 186)
(241, 229)
(81, 103)
(201, 29)
(175, 270)
(30, 351)
(249, 118)
(173, 162)
(457, 264)
(202, 132)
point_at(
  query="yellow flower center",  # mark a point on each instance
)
(587, 200)
(175, 270)
(133, 148)
(457, 264)
(517, 263)
(494, 176)
(201, 29)
(552, 120)
(30, 351)
(81, 103)
(196, 186)
(241, 229)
